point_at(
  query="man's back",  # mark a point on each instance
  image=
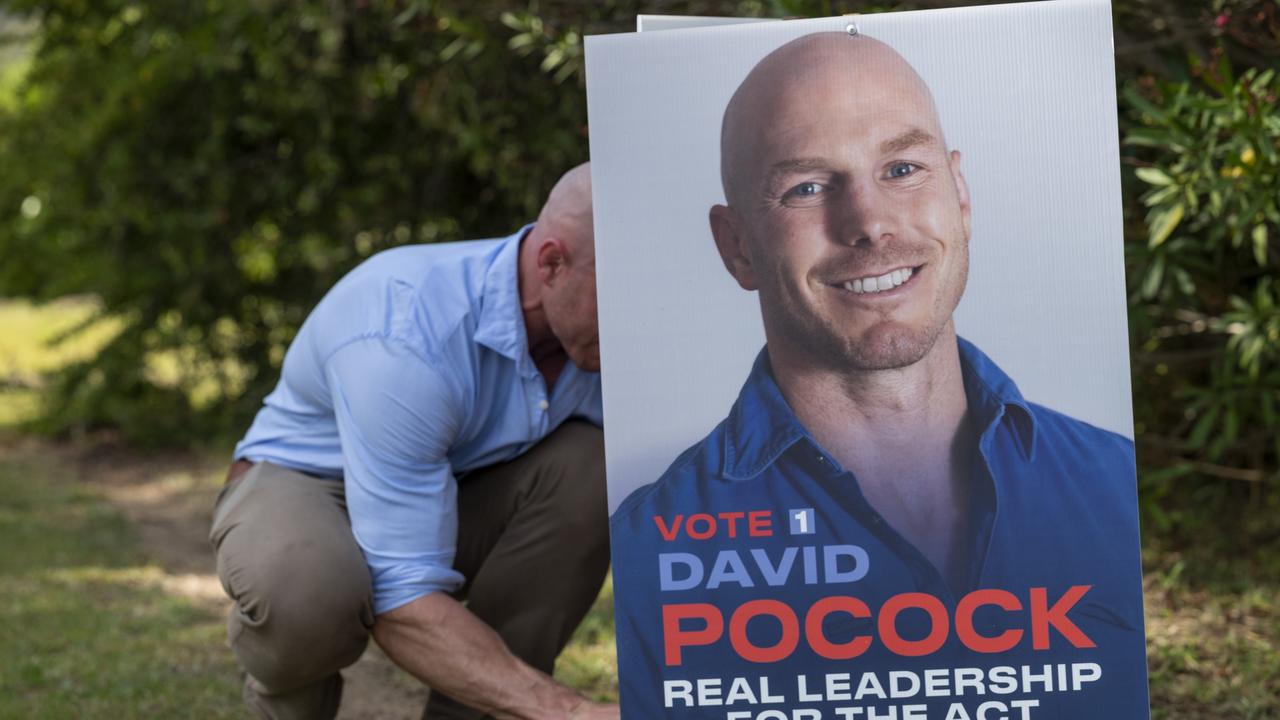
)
(412, 371)
(453, 308)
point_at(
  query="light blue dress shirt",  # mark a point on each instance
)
(413, 370)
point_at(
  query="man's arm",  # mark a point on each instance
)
(441, 643)
(397, 417)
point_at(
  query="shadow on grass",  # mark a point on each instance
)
(89, 631)
(1213, 630)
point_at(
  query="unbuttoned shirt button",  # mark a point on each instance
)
(543, 404)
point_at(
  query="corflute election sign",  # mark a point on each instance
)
(862, 311)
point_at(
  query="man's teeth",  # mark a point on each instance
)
(887, 281)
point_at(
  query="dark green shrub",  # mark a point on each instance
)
(209, 169)
(1205, 303)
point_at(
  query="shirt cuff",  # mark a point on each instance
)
(397, 586)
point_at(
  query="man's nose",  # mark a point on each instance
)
(863, 215)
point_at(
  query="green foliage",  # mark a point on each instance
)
(210, 169)
(1205, 316)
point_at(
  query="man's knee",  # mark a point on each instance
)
(300, 614)
(300, 584)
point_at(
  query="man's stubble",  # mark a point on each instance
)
(827, 344)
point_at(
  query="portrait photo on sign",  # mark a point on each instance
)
(865, 367)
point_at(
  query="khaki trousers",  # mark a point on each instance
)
(532, 543)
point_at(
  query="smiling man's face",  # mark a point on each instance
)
(846, 211)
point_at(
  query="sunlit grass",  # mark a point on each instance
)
(34, 341)
(32, 344)
(15, 58)
(590, 663)
(12, 71)
(29, 331)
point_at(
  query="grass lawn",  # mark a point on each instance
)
(89, 630)
(590, 663)
(1213, 635)
(93, 627)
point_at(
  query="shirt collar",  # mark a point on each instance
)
(995, 399)
(761, 425)
(501, 323)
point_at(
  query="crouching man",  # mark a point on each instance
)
(433, 438)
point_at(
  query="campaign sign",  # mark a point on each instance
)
(868, 420)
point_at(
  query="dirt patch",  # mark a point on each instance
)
(168, 498)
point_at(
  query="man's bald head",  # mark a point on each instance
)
(845, 209)
(860, 72)
(566, 215)
(558, 274)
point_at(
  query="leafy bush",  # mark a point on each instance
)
(1205, 304)
(209, 169)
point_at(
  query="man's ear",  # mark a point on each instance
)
(732, 244)
(553, 261)
(962, 190)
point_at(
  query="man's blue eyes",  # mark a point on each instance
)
(812, 189)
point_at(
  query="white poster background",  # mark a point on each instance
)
(1025, 92)
(651, 23)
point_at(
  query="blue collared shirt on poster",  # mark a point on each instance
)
(413, 370)
(1054, 506)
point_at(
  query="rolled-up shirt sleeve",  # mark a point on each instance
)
(397, 414)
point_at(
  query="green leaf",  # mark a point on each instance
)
(1159, 197)
(1260, 243)
(1260, 83)
(1200, 433)
(406, 16)
(1185, 283)
(1230, 431)
(452, 49)
(1159, 516)
(552, 60)
(1164, 222)
(1146, 137)
(1153, 176)
(1151, 282)
(1157, 115)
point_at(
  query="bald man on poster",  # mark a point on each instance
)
(433, 439)
(871, 452)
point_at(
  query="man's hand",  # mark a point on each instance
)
(442, 644)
